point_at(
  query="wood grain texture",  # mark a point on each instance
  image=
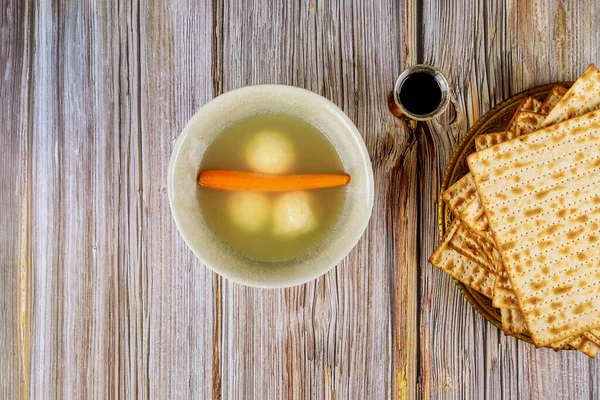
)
(15, 28)
(101, 297)
(120, 306)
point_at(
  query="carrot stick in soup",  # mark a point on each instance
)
(239, 180)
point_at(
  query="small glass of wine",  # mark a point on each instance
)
(421, 93)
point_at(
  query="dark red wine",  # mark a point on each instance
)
(420, 93)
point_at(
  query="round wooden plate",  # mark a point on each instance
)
(494, 120)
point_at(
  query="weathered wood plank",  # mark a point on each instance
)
(509, 47)
(120, 304)
(44, 216)
(176, 69)
(404, 224)
(15, 51)
(74, 240)
(332, 337)
(453, 334)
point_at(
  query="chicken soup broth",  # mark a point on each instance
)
(276, 226)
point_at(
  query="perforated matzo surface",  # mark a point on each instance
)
(460, 267)
(458, 196)
(579, 99)
(541, 194)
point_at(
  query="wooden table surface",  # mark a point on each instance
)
(99, 295)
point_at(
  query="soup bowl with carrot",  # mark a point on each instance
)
(270, 185)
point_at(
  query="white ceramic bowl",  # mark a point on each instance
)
(225, 110)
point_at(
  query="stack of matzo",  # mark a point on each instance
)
(526, 231)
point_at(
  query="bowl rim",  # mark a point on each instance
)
(365, 164)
